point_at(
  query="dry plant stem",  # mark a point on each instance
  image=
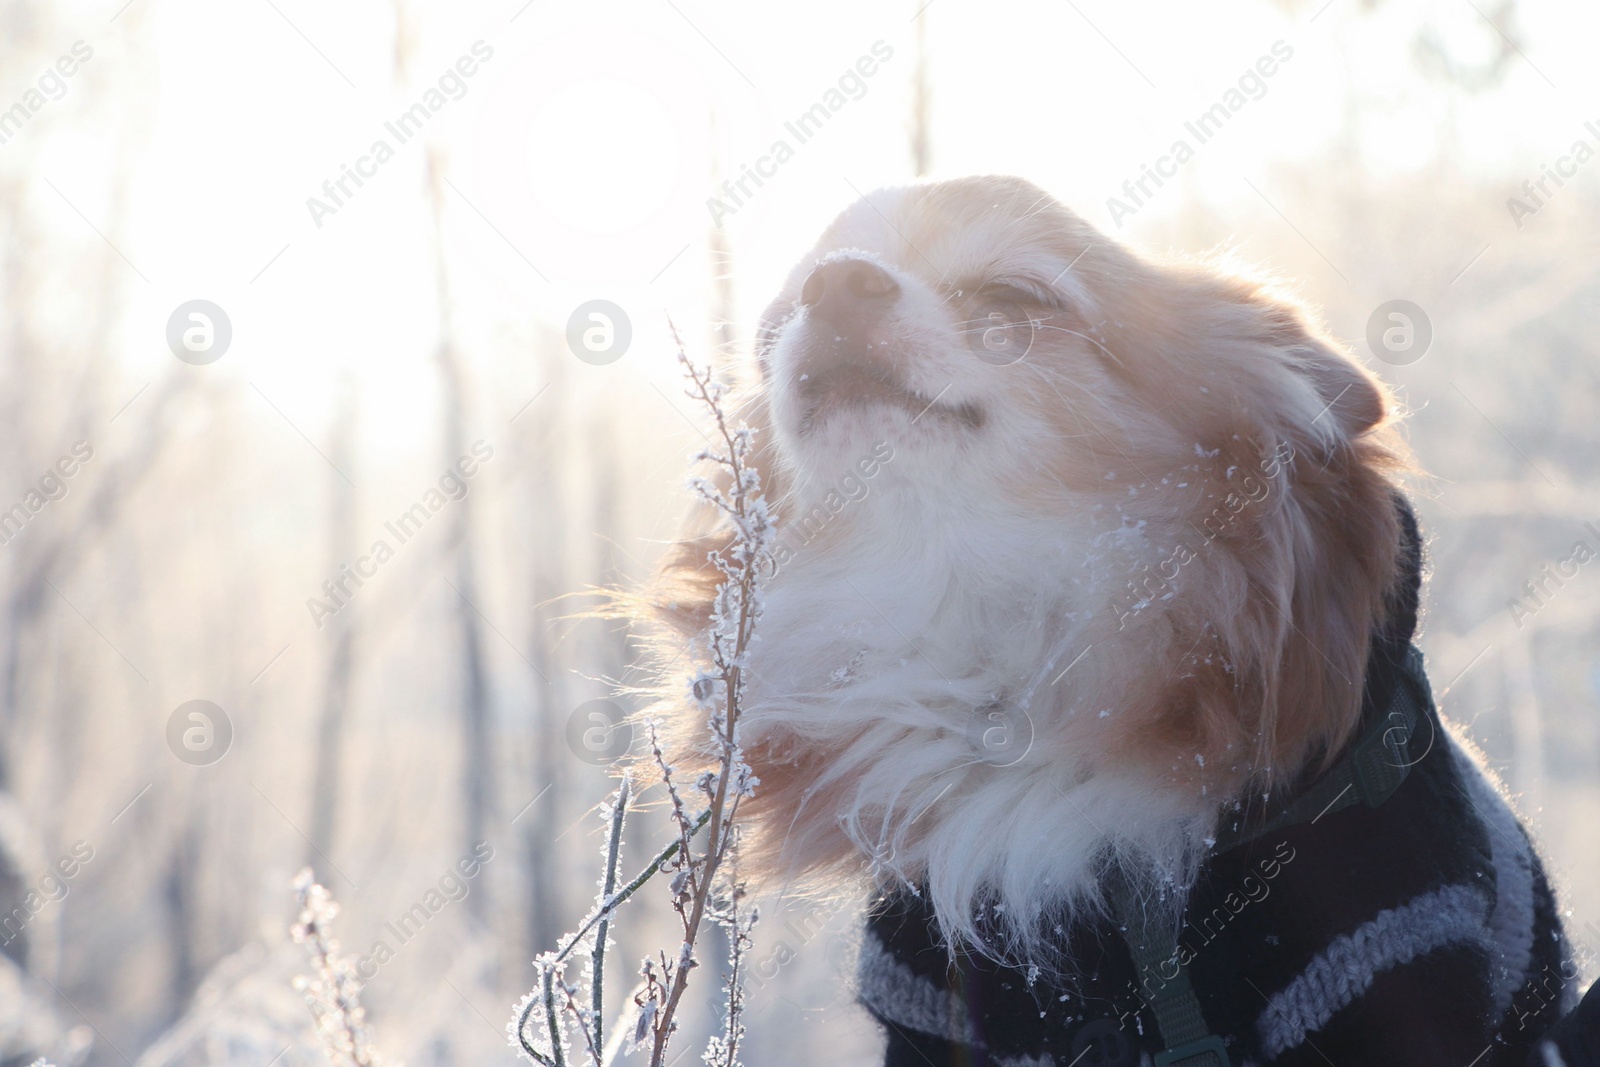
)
(715, 852)
(557, 1056)
(630, 889)
(722, 812)
(619, 812)
(595, 918)
(588, 1037)
(316, 912)
(733, 618)
(739, 940)
(591, 1027)
(679, 819)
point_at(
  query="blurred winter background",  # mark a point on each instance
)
(170, 523)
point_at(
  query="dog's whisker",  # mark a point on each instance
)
(1092, 340)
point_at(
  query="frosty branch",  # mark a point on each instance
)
(332, 991)
(704, 884)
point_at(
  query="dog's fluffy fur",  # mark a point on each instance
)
(1157, 543)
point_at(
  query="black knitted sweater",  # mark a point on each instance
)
(1420, 932)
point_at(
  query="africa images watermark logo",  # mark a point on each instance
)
(453, 485)
(451, 85)
(1541, 589)
(199, 732)
(1202, 928)
(452, 887)
(1251, 85)
(850, 489)
(53, 485)
(52, 889)
(1152, 584)
(599, 332)
(51, 86)
(599, 732)
(1399, 332)
(199, 332)
(1536, 192)
(852, 85)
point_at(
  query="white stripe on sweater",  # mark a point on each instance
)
(895, 992)
(1346, 968)
(892, 991)
(1512, 921)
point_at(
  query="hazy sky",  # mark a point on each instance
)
(579, 150)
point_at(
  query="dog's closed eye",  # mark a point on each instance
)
(1021, 293)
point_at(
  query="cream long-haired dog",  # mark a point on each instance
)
(1083, 563)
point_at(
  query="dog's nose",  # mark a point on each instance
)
(847, 290)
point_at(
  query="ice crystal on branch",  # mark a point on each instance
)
(332, 990)
(702, 884)
(719, 692)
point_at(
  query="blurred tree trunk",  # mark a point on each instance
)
(179, 895)
(724, 311)
(328, 752)
(477, 770)
(921, 133)
(43, 555)
(550, 760)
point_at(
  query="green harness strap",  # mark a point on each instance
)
(1369, 772)
(1188, 1041)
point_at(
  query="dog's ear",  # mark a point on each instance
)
(1354, 399)
(1280, 625)
(1335, 538)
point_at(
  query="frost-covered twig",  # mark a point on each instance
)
(608, 885)
(591, 1021)
(717, 690)
(333, 990)
(724, 1048)
(540, 997)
